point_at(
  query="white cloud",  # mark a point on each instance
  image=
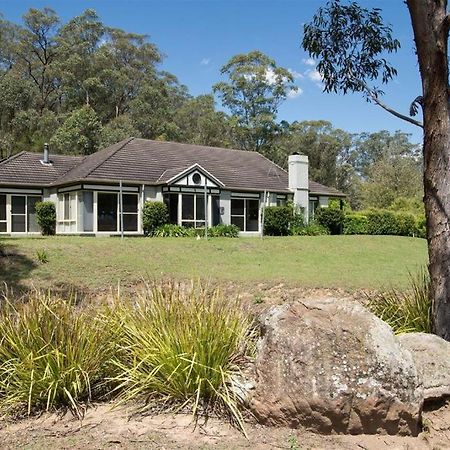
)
(296, 74)
(314, 75)
(295, 93)
(309, 62)
(205, 61)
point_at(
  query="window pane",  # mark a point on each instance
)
(238, 221)
(18, 204)
(130, 203)
(130, 222)
(187, 207)
(31, 211)
(18, 223)
(3, 207)
(200, 224)
(215, 210)
(2, 227)
(171, 200)
(252, 215)
(188, 224)
(237, 207)
(200, 211)
(107, 212)
(66, 206)
(88, 212)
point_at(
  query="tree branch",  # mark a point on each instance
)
(387, 108)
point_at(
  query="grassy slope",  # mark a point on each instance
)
(348, 262)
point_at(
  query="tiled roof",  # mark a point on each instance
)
(153, 162)
(26, 168)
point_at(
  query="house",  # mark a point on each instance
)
(88, 190)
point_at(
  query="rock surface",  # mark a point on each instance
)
(431, 355)
(331, 366)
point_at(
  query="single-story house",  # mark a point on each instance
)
(88, 190)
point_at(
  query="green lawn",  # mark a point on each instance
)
(348, 262)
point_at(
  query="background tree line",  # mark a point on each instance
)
(83, 85)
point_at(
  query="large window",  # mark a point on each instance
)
(108, 212)
(313, 205)
(193, 210)
(171, 200)
(245, 213)
(23, 213)
(2, 213)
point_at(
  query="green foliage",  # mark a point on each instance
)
(406, 312)
(154, 215)
(223, 230)
(330, 218)
(51, 355)
(388, 222)
(172, 230)
(408, 205)
(421, 226)
(181, 347)
(42, 256)
(255, 88)
(277, 220)
(350, 43)
(79, 134)
(46, 217)
(355, 224)
(311, 229)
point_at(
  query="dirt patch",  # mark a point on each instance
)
(107, 428)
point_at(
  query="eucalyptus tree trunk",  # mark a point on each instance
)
(431, 25)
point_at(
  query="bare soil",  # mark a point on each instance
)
(104, 427)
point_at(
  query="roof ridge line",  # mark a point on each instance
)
(10, 158)
(127, 141)
(265, 157)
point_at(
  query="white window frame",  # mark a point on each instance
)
(195, 221)
(246, 199)
(9, 213)
(6, 214)
(73, 212)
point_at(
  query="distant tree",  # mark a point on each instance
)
(118, 129)
(79, 134)
(349, 42)
(199, 123)
(255, 88)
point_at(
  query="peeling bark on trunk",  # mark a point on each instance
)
(430, 25)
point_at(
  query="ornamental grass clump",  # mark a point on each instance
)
(52, 355)
(408, 311)
(181, 348)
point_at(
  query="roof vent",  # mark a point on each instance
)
(46, 160)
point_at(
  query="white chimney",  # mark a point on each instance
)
(299, 181)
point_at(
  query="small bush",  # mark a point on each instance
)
(171, 230)
(46, 217)
(231, 231)
(181, 347)
(355, 224)
(312, 229)
(154, 215)
(51, 355)
(406, 312)
(42, 256)
(277, 220)
(330, 218)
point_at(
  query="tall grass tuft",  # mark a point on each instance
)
(409, 311)
(51, 354)
(181, 348)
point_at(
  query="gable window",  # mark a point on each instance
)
(245, 213)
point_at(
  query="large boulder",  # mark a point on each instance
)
(331, 366)
(431, 355)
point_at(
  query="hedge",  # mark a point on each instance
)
(355, 224)
(331, 218)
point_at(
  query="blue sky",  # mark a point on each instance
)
(199, 36)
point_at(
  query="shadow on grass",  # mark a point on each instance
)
(14, 268)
